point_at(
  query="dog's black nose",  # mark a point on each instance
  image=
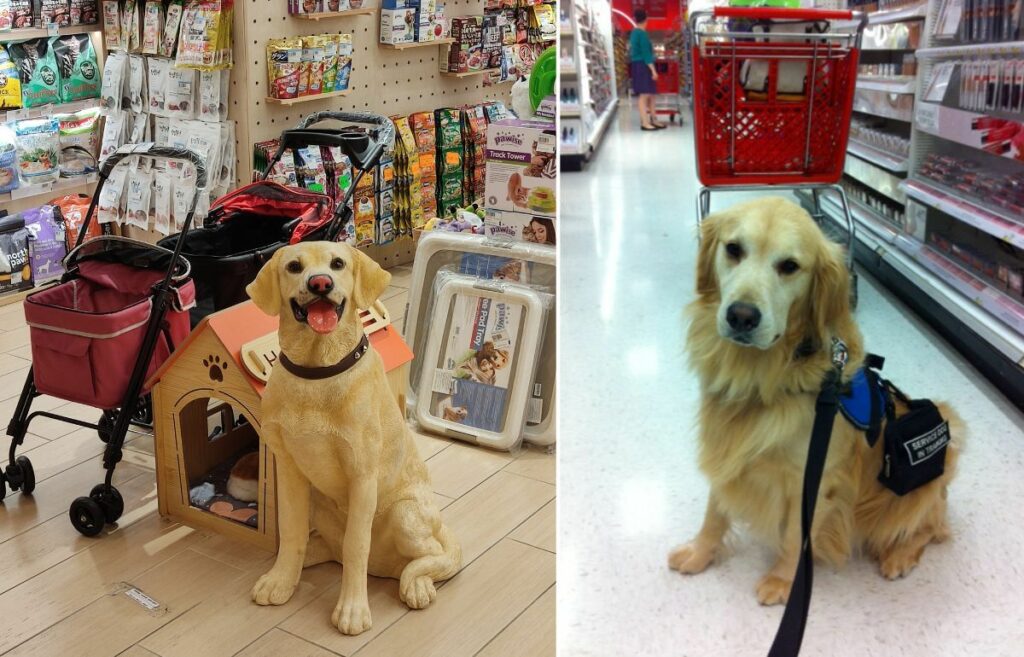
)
(743, 317)
(320, 284)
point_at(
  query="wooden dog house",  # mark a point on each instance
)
(206, 413)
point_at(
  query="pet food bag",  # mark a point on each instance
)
(38, 150)
(15, 271)
(284, 67)
(76, 63)
(71, 211)
(85, 12)
(8, 160)
(38, 70)
(79, 141)
(47, 242)
(10, 82)
(112, 25)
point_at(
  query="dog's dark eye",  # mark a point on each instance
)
(337, 264)
(734, 250)
(788, 266)
(294, 267)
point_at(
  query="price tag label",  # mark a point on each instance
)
(52, 29)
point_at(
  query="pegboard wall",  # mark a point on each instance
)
(384, 80)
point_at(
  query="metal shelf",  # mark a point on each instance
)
(23, 34)
(896, 15)
(954, 125)
(48, 189)
(972, 50)
(989, 221)
(889, 161)
(903, 84)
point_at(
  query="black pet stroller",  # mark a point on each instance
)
(245, 227)
(118, 312)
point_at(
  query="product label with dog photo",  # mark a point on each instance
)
(521, 167)
(471, 385)
(495, 267)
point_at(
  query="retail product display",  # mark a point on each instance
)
(521, 169)
(488, 261)
(25, 14)
(587, 80)
(309, 66)
(972, 179)
(15, 267)
(321, 6)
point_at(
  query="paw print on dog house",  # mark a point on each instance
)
(206, 415)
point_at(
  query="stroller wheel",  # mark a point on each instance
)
(28, 475)
(106, 425)
(87, 516)
(144, 411)
(111, 502)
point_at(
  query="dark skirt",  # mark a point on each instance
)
(640, 74)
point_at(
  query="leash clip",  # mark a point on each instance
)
(840, 355)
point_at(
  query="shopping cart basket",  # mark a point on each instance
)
(245, 227)
(668, 100)
(773, 92)
(119, 311)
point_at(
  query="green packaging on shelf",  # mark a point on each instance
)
(449, 161)
(449, 128)
(76, 62)
(451, 188)
(38, 69)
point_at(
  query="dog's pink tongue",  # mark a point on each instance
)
(321, 316)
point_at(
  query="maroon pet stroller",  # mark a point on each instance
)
(119, 311)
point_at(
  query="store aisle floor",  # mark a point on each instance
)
(631, 489)
(59, 590)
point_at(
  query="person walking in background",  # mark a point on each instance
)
(642, 72)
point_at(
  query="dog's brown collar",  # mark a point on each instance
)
(316, 373)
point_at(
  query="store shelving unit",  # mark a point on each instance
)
(29, 196)
(588, 96)
(941, 255)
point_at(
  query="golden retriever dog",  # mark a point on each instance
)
(772, 291)
(351, 486)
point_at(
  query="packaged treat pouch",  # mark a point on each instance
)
(10, 82)
(85, 12)
(76, 62)
(38, 143)
(37, 69)
(313, 65)
(111, 204)
(140, 188)
(344, 74)
(8, 159)
(73, 209)
(21, 14)
(205, 35)
(330, 62)
(115, 71)
(128, 22)
(55, 12)
(284, 67)
(137, 96)
(180, 93)
(213, 95)
(157, 85)
(182, 191)
(112, 25)
(162, 195)
(152, 27)
(168, 45)
(161, 130)
(450, 161)
(79, 142)
(115, 131)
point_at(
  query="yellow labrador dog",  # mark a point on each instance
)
(772, 291)
(351, 486)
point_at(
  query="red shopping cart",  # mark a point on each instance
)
(668, 100)
(773, 92)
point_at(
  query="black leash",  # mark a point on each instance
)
(794, 619)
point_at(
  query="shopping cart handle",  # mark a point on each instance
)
(783, 13)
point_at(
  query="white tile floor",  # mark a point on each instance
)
(630, 489)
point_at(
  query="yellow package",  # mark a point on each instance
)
(10, 83)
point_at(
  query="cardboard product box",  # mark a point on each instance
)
(398, 25)
(520, 226)
(466, 54)
(521, 167)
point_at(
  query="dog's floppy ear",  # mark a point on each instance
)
(265, 291)
(830, 295)
(707, 281)
(371, 279)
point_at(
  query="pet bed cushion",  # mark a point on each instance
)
(220, 503)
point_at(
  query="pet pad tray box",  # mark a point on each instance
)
(521, 167)
(481, 354)
(206, 414)
(519, 226)
(488, 258)
(15, 269)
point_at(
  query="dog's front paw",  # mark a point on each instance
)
(691, 558)
(352, 616)
(773, 590)
(418, 592)
(273, 589)
(899, 563)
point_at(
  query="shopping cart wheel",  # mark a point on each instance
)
(21, 476)
(110, 501)
(87, 516)
(106, 425)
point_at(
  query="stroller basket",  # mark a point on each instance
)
(87, 333)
